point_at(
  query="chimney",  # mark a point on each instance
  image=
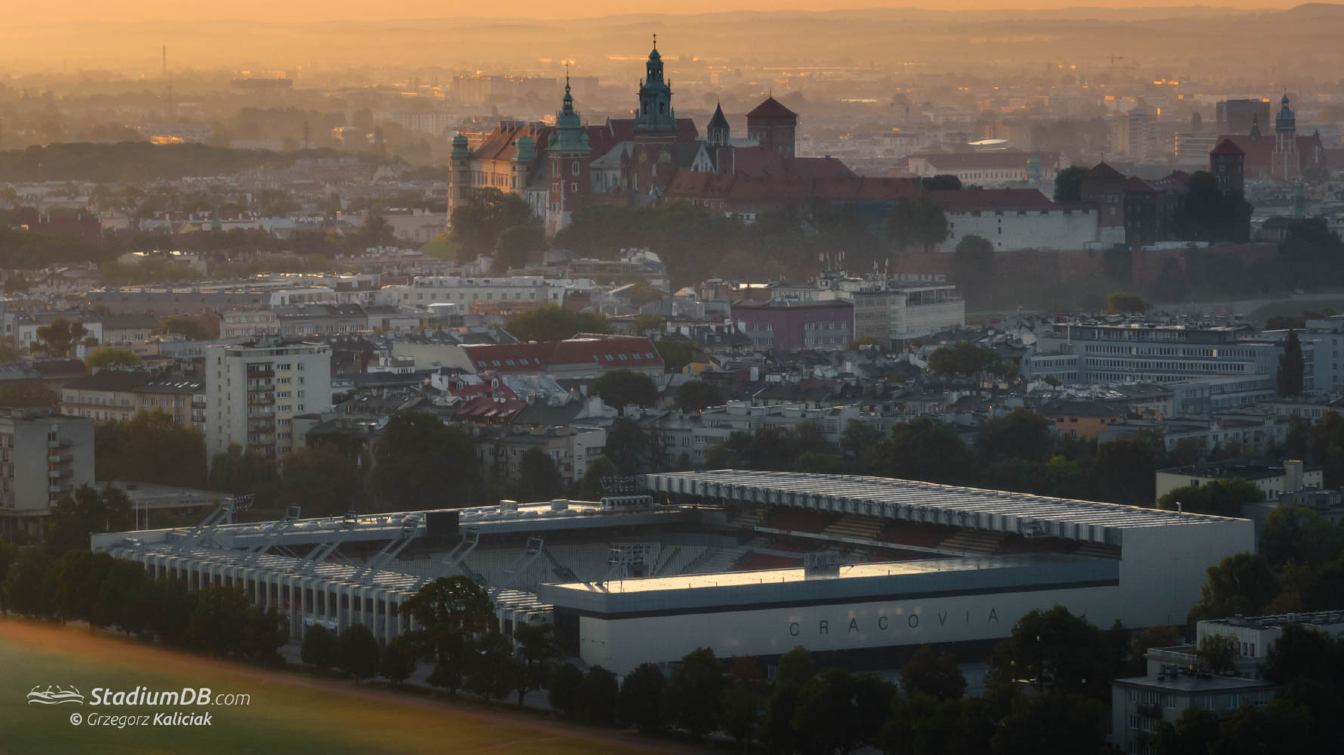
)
(1292, 475)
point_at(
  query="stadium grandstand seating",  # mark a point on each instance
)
(798, 520)
(859, 527)
(754, 560)
(917, 535)
(973, 541)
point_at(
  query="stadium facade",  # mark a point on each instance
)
(860, 569)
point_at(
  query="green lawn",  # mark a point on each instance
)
(289, 713)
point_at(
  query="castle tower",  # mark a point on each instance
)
(569, 153)
(655, 117)
(1227, 163)
(774, 127)
(459, 175)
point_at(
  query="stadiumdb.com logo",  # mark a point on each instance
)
(54, 695)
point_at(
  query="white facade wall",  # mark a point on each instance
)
(1010, 230)
(253, 393)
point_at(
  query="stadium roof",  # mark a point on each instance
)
(925, 502)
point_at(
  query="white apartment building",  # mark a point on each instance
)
(254, 390)
(43, 456)
(478, 293)
(1097, 352)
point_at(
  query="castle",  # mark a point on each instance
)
(651, 156)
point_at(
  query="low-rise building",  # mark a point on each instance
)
(1140, 705)
(1273, 478)
(795, 325)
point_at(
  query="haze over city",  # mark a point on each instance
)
(741, 376)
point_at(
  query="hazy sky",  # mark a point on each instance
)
(290, 10)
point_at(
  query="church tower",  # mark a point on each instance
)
(1287, 164)
(459, 175)
(569, 153)
(655, 117)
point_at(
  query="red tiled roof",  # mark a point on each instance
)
(611, 352)
(971, 200)
(1227, 146)
(772, 108)
(623, 130)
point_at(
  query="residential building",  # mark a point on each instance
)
(254, 390)
(794, 325)
(43, 456)
(1140, 705)
(1272, 478)
(114, 395)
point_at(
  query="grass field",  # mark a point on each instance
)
(288, 713)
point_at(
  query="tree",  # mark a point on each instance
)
(1296, 534)
(696, 395)
(30, 585)
(478, 222)
(1124, 471)
(492, 668)
(918, 222)
(553, 323)
(740, 710)
(923, 449)
(622, 388)
(357, 652)
(1241, 584)
(452, 612)
(536, 646)
(421, 463)
(187, 327)
(1292, 368)
(8, 555)
(932, 674)
(322, 481)
(515, 244)
(1220, 497)
(677, 354)
(628, 446)
(597, 697)
(60, 336)
(1069, 184)
(538, 476)
(590, 486)
(1217, 653)
(962, 358)
(640, 701)
(25, 394)
(111, 357)
(1059, 652)
(972, 268)
(1020, 434)
(822, 716)
(398, 660)
(1053, 725)
(218, 620)
(1122, 303)
(320, 648)
(151, 447)
(246, 473)
(86, 511)
(693, 692)
(563, 690)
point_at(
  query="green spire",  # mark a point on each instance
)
(569, 135)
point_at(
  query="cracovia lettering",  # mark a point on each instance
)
(883, 622)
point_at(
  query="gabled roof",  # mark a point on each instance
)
(973, 200)
(609, 352)
(772, 108)
(1102, 170)
(1227, 147)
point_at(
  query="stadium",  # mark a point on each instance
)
(860, 570)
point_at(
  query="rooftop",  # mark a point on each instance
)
(923, 501)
